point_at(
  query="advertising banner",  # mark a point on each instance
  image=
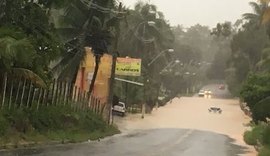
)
(128, 67)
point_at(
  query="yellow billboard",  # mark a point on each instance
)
(128, 67)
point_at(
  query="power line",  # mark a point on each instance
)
(93, 5)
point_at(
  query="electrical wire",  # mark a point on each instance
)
(93, 5)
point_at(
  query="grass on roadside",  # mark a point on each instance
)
(22, 127)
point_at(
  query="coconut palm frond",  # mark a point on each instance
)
(5, 48)
(69, 63)
(75, 15)
(29, 75)
(250, 16)
(16, 51)
(69, 71)
(96, 23)
(264, 63)
(256, 7)
(266, 52)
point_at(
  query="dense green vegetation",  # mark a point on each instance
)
(248, 71)
(26, 26)
(259, 135)
(34, 37)
(255, 92)
(56, 123)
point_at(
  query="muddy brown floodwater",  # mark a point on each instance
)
(192, 113)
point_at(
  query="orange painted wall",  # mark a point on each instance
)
(101, 87)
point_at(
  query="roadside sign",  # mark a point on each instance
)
(128, 67)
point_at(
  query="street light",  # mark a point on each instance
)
(187, 73)
(141, 37)
(154, 59)
(151, 23)
(144, 40)
(171, 64)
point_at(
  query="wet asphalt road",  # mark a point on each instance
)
(182, 128)
(156, 142)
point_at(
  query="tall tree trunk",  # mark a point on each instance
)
(97, 61)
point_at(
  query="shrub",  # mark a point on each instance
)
(53, 123)
(250, 138)
(19, 120)
(52, 118)
(92, 122)
(266, 136)
(255, 89)
(40, 120)
(256, 134)
(3, 125)
(261, 110)
(265, 151)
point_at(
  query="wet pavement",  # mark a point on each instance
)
(155, 142)
(182, 128)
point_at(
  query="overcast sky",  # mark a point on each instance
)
(204, 12)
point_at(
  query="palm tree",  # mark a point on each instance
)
(86, 23)
(144, 36)
(264, 63)
(16, 55)
(261, 13)
(258, 9)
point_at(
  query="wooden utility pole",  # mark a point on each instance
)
(114, 57)
(110, 98)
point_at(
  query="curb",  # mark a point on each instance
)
(35, 145)
(19, 146)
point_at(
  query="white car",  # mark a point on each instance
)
(201, 93)
(120, 108)
(208, 92)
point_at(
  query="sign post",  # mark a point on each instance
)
(122, 67)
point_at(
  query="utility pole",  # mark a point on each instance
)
(126, 98)
(110, 98)
(114, 57)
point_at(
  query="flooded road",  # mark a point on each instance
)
(182, 128)
(155, 142)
